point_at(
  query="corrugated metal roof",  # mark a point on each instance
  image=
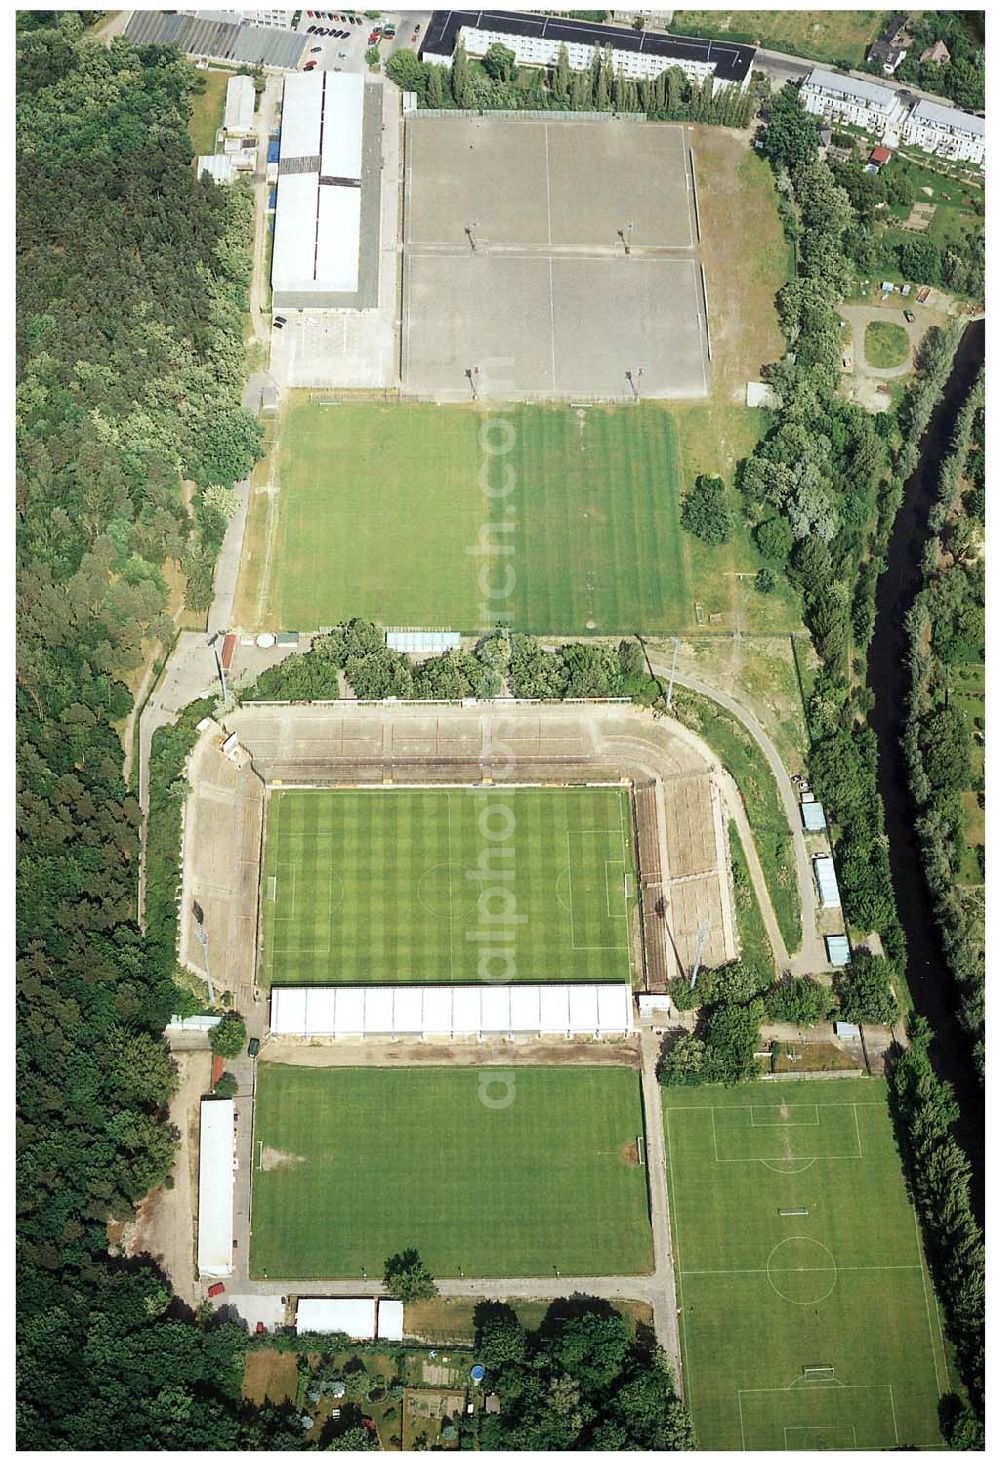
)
(845, 1031)
(813, 816)
(218, 40)
(838, 949)
(390, 1320)
(215, 1188)
(826, 881)
(353, 1010)
(218, 165)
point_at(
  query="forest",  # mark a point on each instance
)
(947, 631)
(132, 282)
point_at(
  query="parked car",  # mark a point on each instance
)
(413, 37)
(260, 1327)
(253, 1049)
(909, 316)
(341, 55)
(215, 1290)
(314, 49)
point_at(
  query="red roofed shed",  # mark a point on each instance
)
(880, 155)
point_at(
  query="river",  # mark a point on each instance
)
(935, 994)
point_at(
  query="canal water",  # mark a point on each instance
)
(935, 994)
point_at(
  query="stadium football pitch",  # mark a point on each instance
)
(421, 886)
(383, 513)
(514, 1171)
(807, 1317)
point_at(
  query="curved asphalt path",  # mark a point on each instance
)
(811, 956)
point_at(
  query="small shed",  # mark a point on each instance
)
(826, 881)
(846, 1032)
(219, 167)
(880, 155)
(838, 949)
(492, 1405)
(813, 815)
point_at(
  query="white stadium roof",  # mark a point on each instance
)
(390, 1320)
(317, 228)
(215, 1188)
(353, 1010)
(826, 881)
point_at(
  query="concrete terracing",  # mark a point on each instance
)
(504, 742)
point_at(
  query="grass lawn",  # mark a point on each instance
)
(380, 513)
(207, 109)
(742, 757)
(886, 344)
(819, 35)
(382, 885)
(518, 1172)
(755, 950)
(452, 1321)
(838, 1283)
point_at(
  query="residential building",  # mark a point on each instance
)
(890, 48)
(959, 136)
(846, 99)
(536, 40)
(937, 53)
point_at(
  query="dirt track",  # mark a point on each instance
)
(420, 1052)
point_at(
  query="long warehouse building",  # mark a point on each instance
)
(317, 228)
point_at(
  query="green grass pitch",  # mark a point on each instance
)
(836, 1280)
(381, 511)
(519, 1171)
(363, 886)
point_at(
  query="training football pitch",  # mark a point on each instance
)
(421, 886)
(807, 1320)
(516, 1171)
(383, 509)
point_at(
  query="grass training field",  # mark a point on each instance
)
(381, 513)
(387, 885)
(808, 1319)
(508, 1172)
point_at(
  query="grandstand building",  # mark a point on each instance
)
(322, 178)
(536, 40)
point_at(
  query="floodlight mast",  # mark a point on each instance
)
(472, 373)
(632, 375)
(703, 932)
(470, 230)
(202, 937)
(673, 672)
(213, 643)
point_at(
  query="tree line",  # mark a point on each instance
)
(496, 83)
(946, 629)
(131, 286)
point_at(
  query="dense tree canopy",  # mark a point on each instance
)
(132, 279)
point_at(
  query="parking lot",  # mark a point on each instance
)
(346, 52)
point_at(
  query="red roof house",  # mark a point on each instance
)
(880, 155)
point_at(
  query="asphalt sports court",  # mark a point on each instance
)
(414, 885)
(515, 261)
(516, 1171)
(807, 1317)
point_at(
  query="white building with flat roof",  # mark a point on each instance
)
(317, 227)
(356, 1318)
(240, 100)
(826, 881)
(960, 136)
(216, 1163)
(219, 166)
(420, 1011)
(876, 109)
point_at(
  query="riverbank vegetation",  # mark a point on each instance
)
(837, 477)
(945, 729)
(131, 286)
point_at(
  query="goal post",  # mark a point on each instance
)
(817, 1373)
